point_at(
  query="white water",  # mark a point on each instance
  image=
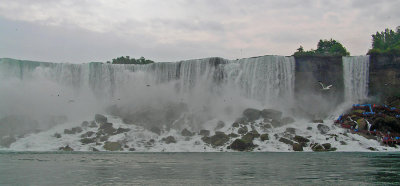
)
(356, 75)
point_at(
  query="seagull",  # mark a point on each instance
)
(325, 87)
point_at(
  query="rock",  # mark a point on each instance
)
(235, 125)
(204, 132)
(317, 147)
(248, 138)
(287, 120)
(318, 121)
(233, 135)
(326, 145)
(343, 143)
(103, 138)
(132, 149)
(122, 130)
(57, 135)
(264, 137)
(107, 129)
(86, 141)
(242, 120)
(251, 114)
(112, 146)
(95, 150)
(73, 130)
(186, 132)
(372, 149)
(93, 124)
(297, 147)
(301, 139)
(362, 124)
(169, 139)
(85, 124)
(290, 130)
(7, 141)
(220, 125)
(218, 139)
(241, 145)
(286, 141)
(309, 128)
(255, 133)
(243, 130)
(156, 130)
(323, 128)
(66, 148)
(266, 126)
(276, 123)
(100, 118)
(271, 114)
(87, 134)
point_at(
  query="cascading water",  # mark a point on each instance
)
(356, 74)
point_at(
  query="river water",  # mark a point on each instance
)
(271, 168)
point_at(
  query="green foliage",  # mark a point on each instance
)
(324, 48)
(386, 42)
(127, 60)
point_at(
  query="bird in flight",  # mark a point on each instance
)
(324, 87)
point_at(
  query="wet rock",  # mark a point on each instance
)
(318, 121)
(242, 120)
(243, 130)
(156, 130)
(220, 125)
(107, 129)
(276, 123)
(301, 139)
(343, 143)
(290, 130)
(309, 128)
(286, 141)
(218, 139)
(287, 120)
(327, 145)
(86, 141)
(323, 128)
(85, 124)
(132, 149)
(264, 137)
(235, 125)
(317, 147)
(297, 147)
(103, 138)
(186, 132)
(73, 130)
(271, 114)
(251, 114)
(372, 149)
(7, 141)
(112, 146)
(233, 135)
(93, 124)
(122, 130)
(87, 134)
(169, 139)
(100, 118)
(95, 150)
(241, 145)
(249, 137)
(204, 132)
(57, 135)
(66, 148)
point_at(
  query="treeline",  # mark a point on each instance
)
(386, 42)
(128, 60)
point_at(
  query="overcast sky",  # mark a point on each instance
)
(79, 31)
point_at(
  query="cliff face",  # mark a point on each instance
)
(310, 70)
(384, 76)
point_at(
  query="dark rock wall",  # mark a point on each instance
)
(309, 96)
(384, 77)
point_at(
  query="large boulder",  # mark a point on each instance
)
(290, 130)
(66, 148)
(243, 130)
(93, 124)
(85, 124)
(87, 134)
(186, 132)
(323, 128)
(107, 129)
(204, 132)
(271, 114)
(235, 125)
(242, 145)
(7, 141)
(297, 147)
(251, 114)
(85, 141)
(73, 130)
(301, 139)
(220, 125)
(169, 139)
(218, 139)
(156, 130)
(112, 146)
(286, 141)
(100, 118)
(264, 137)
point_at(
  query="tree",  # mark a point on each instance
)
(386, 42)
(128, 60)
(324, 48)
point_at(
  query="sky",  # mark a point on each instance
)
(79, 31)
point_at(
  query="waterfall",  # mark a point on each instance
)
(356, 74)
